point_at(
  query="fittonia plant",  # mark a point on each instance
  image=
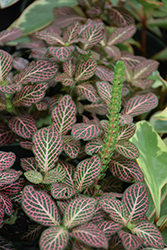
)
(82, 149)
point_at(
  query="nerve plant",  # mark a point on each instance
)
(87, 134)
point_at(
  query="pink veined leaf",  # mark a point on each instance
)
(127, 149)
(63, 115)
(116, 243)
(61, 53)
(34, 177)
(26, 144)
(125, 91)
(39, 206)
(79, 211)
(41, 106)
(2, 104)
(143, 83)
(13, 188)
(94, 11)
(111, 184)
(91, 235)
(62, 191)
(112, 51)
(9, 35)
(104, 73)
(11, 89)
(71, 147)
(57, 174)
(105, 91)
(6, 243)
(97, 108)
(126, 132)
(32, 233)
(54, 238)
(71, 34)
(6, 134)
(120, 16)
(126, 119)
(126, 170)
(9, 176)
(69, 173)
(86, 70)
(135, 200)
(86, 172)
(144, 69)
(2, 213)
(109, 228)
(37, 71)
(66, 79)
(53, 101)
(80, 246)
(81, 51)
(115, 209)
(89, 92)
(130, 241)
(140, 104)
(105, 125)
(93, 34)
(150, 234)
(7, 204)
(121, 34)
(85, 131)
(51, 38)
(47, 145)
(69, 68)
(30, 94)
(7, 160)
(94, 146)
(99, 215)
(23, 125)
(6, 61)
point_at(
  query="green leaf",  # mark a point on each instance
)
(6, 3)
(160, 126)
(161, 55)
(38, 14)
(34, 176)
(165, 5)
(152, 159)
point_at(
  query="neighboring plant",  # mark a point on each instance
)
(82, 144)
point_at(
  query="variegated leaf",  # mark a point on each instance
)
(48, 144)
(150, 234)
(71, 33)
(91, 235)
(115, 209)
(127, 149)
(9, 176)
(105, 91)
(86, 70)
(140, 104)
(97, 108)
(94, 146)
(120, 16)
(5, 64)
(7, 160)
(54, 238)
(89, 92)
(57, 174)
(144, 69)
(126, 132)
(71, 147)
(6, 134)
(37, 71)
(63, 115)
(79, 211)
(135, 200)
(11, 89)
(93, 34)
(130, 241)
(121, 34)
(23, 125)
(86, 172)
(51, 38)
(61, 53)
(39, 206)
(30, 94)
(85, 131)
(9, 35)
(109, 228)
(62, 191)
(33, 176)
(126, 169)
(69, 68)
(104, 73)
